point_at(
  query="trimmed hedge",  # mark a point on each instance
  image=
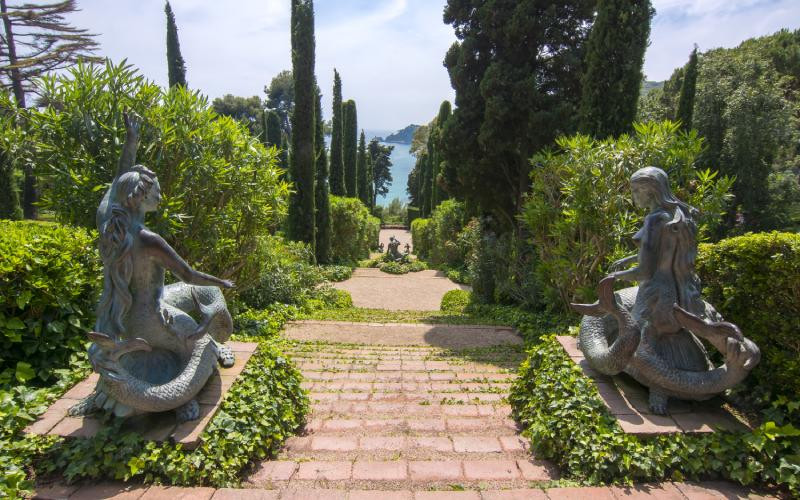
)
(50, 277)
(354, 232)
(754, 281)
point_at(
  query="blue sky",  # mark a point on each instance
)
(389, 52)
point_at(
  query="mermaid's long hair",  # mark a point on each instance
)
(115, 245)
(684, 227)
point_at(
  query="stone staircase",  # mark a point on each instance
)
(406, 418)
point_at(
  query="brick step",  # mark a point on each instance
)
(434, 398)
(454, 377)
(329, 447)
(441, 426)
(397, 369)
(382, 409)
(404, 387)
(402, 474)
(413, 358)
(716, 490)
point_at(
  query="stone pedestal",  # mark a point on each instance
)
(155, 426)
(627, 400)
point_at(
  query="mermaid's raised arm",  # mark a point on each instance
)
(127, 159)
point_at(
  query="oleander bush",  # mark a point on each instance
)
(579, 212)
(287, 274)
(50, 277)
(448, 241)
(354, 230)
(754, 281)
(221, 188)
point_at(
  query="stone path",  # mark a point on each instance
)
(421, 291)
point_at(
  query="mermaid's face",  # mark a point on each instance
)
(151, 200)
(642, 196)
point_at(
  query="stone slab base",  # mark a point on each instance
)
(627, 400)
(154, 426)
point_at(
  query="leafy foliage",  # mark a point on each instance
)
(249, 111)
(355, 231)
(322, 201)
(455, 301)
(220, 186)
(567, 422)
(754, 282)
(579, 212)
(280, 99)
(11, 139)
(437, 239)
(287, 274)
(745, 108)
(49, 282)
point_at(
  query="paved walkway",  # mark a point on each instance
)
(375, 289)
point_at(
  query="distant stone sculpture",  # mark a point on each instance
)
(152, 356)
(393, 251)
(408, 249)
(381, 247)
(650, 331)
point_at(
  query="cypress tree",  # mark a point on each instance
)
(302, 165)
(614, 57)
(349, 145)
(361, 170)
(688, 88)
(322, 201)
(176, 66)
(337, 163)
(370, 182)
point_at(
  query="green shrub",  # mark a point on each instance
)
(337, 273)
(422, 237)
(221, 188)
(579, 212)
(448, 219)
(50, 278)
(455, 301)
(567, 422)
(354, 232)
(754, 281)
(287, 275)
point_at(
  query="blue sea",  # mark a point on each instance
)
(402, 163)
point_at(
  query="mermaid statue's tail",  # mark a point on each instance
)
(608, 355)
(125, 391)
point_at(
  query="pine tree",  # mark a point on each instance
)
(349, 146)
(176, 66)
(322, 197)
(36, 41)
(302, 165)
(361, 170)
(614, 58)
(337, 163)
(688, 89)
